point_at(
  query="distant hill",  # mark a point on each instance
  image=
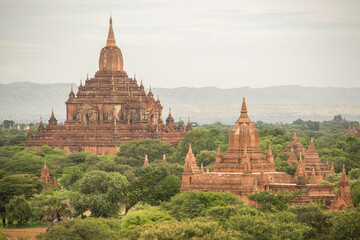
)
(28, 101)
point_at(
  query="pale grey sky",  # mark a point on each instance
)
(185, 43)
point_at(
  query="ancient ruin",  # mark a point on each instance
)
(245, 169)
(110, 108)
(295, 145)
(45, 177)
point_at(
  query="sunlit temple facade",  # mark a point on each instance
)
(110, 108)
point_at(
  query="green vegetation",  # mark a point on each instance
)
(129, 201)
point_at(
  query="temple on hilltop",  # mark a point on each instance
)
(45, 177)
(244, 169)
(110, 108)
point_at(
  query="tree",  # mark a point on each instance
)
(17, 140)
(269, 201)
(132, 153)
(299, 122)
(346, 224)
(89, 228)
(16, 185)
(103, 193)
(191, 204)
(141, 215)
(71, 175)
(206, 157)
(314, 216)
(147, 186)
(7, 123)
(200, 140)
(338, 118)
(18, 209)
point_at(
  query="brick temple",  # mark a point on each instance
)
(110, 108)
(245, 169)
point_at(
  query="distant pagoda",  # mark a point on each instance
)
(108, 109)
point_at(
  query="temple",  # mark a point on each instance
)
(110, 108)
(295, 145)
(244, 169)
(45, 177)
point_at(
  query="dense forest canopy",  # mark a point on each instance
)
(129, 201)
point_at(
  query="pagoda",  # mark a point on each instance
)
(295, 145)
(45, 177)
(244, 169)
(110, 108)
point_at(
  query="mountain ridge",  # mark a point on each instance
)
(23, 101)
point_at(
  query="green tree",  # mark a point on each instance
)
(133, 153)
(78, 229)
(269, 201)
(7, 123)
(71, 175)
(103, 193)
(18, 209)
(144, 214)
(200, 140)
(346, 224)
(17, 140)
(316, 217)
(191, 204)
(16, 185)
(206, 157)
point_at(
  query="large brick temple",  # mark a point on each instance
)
(108, 109)
(245, 169)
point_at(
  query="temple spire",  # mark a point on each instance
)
(343, 175)
(269, 151)
(164, 161)
(295, 139)
(190, 149)
(244, 115)
(146, 162)
(219, 151)
(111, 38)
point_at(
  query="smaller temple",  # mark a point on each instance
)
(295, 145)
(292, 157)
(312, 160)
(45, 177)
(146, 161)
(164, 161)
(358, 133)
(351, 129)
(343, 198)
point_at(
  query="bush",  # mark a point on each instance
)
(18, 209)
(145, 214)
(78, 229)
(191, 204)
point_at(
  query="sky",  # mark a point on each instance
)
(193, 43)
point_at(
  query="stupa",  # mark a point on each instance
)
(245, 169)
(110, 108)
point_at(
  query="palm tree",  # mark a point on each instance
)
(59, 209)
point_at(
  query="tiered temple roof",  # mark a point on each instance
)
(110, 108)
(245, 169)
(312, 160)
(343, 197)
(45, 177)
(295, 145)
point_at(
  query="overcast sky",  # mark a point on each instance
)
(185, 43)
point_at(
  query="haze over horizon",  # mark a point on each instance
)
(226, 44)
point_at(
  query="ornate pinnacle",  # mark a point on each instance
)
(244, 115)
(111, 38)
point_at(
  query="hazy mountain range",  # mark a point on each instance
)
(29, 101)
